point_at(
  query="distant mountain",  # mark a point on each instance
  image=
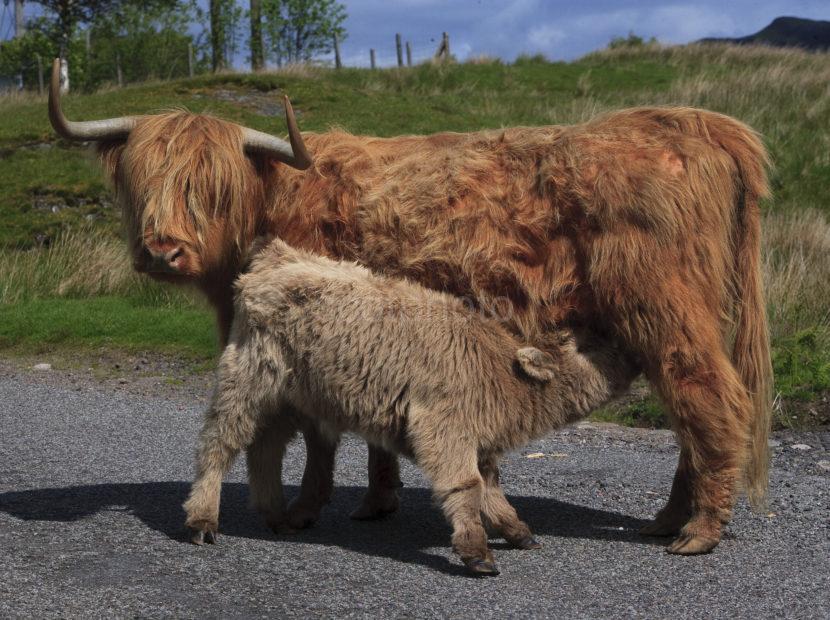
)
(810, 34)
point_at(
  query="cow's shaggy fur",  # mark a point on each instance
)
(642, 225)
(409, 369)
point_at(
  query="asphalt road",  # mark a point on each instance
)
(92, 477)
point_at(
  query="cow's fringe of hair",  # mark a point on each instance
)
(177, 156)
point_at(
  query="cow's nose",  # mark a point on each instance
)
(164, 262)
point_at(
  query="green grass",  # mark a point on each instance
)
(81, 292)
(644, 413)
(42, 324)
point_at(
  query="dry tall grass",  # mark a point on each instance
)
(79, 264)
(797, 272)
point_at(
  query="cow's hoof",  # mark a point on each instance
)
(200, 535)
(526, 543)
(300, 517)
(692, 544)
(376, 507)
(280, 527)
(480, 567)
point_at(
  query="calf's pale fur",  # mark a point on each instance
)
(411, 370)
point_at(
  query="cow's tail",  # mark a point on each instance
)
(751, 351)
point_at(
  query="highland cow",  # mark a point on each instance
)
(641, 225)
(412, 370)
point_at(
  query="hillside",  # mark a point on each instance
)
(65, 280)
(808, 34)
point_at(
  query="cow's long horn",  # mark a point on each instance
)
(294, 154)
(84, 130)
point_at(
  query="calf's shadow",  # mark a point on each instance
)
(403, 537)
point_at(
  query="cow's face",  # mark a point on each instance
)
(190, 186)
(189, 194)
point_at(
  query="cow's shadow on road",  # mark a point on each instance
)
(405, 536)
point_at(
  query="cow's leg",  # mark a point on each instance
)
(265, 457)
(497, 511)
(711, 413)
(381, 498)
(678, 510)
(318, 478)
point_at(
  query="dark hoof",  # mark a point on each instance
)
(301, 519)
(528, 543)
(482, 568)
(374, 509)
(200, 537)
(281, 527)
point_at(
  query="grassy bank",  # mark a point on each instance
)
(65, 281)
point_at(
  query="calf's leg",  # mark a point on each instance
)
(221, 440)
(236, 417)
(451, 464)
(497, 511)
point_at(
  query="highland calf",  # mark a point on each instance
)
(409, 369)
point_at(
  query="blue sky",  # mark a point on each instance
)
(560, 29)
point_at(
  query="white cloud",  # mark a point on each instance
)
(546, 36)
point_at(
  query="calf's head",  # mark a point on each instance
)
(190, 186)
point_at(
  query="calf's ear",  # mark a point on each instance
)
(536, 364)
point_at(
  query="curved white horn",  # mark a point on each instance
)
(83, 130)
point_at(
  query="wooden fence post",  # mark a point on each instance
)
(337, 64)
(118, 69)
(190, 59)
(408, 54)
(39, 74)
(372, 58)
(443, 52)
(398, 49)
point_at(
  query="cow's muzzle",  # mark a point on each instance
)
(169, 262)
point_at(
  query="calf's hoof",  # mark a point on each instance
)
(528, 543)
(481, 567)
(201, 532)
(376, 506)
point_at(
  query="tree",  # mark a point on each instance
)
(257, 53)
(217, 35)
(70, 13)
(225, 17)
(299, 29)
(150, 37)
